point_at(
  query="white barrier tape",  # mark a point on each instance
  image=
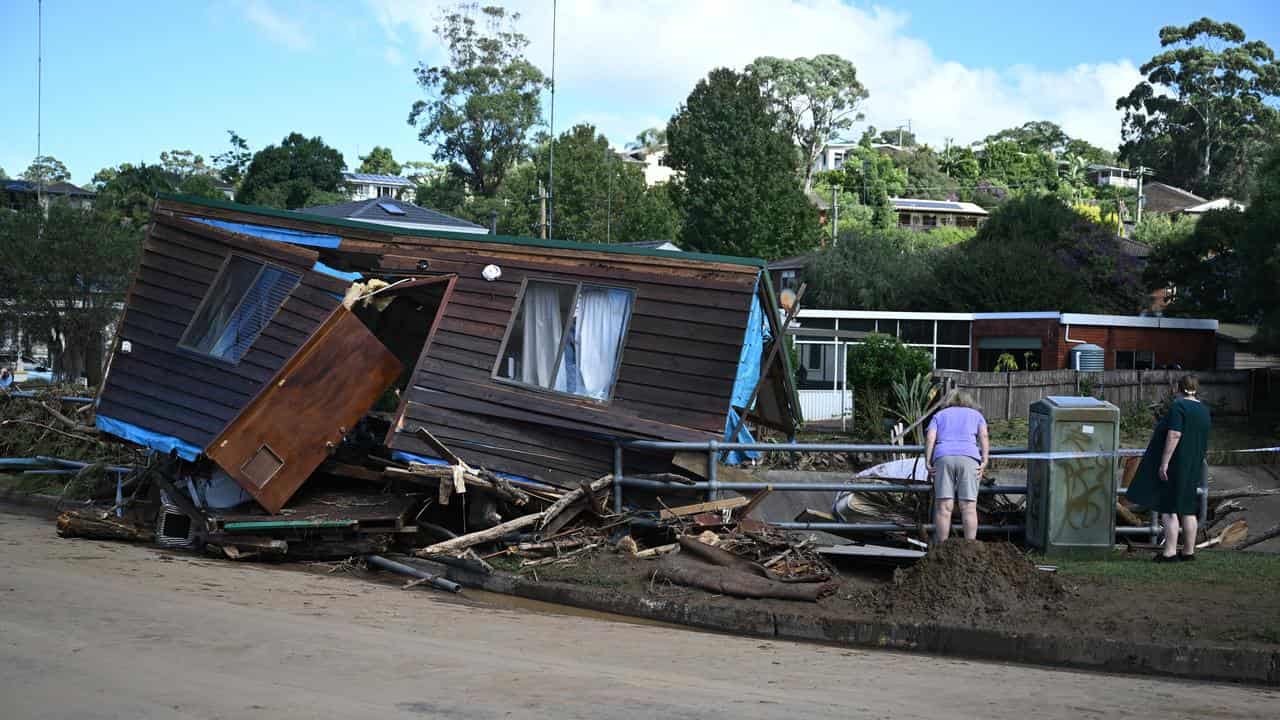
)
(1125, 452)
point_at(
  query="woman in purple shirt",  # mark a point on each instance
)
(956, 451)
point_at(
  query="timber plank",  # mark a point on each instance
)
(486, 346)
(233, 394)
(715, 369)
(491, 460)
(520, 434)
(275, 338)
(161, 410)
(122, 379)
(683, 346)
(700, 384)
(472, 328)
(140, 335)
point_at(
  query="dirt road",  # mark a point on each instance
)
(106, 630)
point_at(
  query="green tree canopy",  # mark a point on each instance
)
(1007, 163)
(46, 169)
(1204, 267)
(1035, 252)
(126, 192)
(871, 268)
(64, 273)
(483, 103)
(1205, 109)
(1036, 136)
(598, 197)
(379, 161)
(1260, 254)
(233, 163)
(296, 173)
(737, 186)
(183, 163)
(815, 98)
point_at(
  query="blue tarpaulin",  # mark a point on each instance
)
(348, 276)
(403, 456)
(756, 337)
(293, 237)
(146, 438)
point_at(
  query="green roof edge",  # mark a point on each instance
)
(449, 235)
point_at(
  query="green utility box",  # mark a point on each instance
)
(1071, 499)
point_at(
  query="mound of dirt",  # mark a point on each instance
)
(963, 580)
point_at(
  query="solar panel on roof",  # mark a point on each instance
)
(933, 204)
(391, 208)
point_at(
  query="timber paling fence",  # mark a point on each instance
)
(1007, 395)
(712, 485)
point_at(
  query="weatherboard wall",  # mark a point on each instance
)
(164, 388)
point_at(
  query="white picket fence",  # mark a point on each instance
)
(826, 404)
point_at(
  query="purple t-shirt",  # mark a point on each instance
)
(957, 429)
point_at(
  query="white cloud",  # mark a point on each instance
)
(629, 63)
(393, 55)
(279, 28)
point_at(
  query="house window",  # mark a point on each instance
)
(566, 337)
(1135, 360)
(386, 191)
(244, 297)
(815, 357)
(788, 279)
(904, 219)
(930, 221)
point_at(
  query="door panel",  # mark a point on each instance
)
(287, 430)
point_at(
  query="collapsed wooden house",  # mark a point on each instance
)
(526, 357)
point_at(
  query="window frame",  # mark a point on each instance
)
(577, 286)
(208, 294)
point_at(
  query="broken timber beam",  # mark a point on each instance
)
(714, 505)
(571, 497)
(443, 474)
(462, 542)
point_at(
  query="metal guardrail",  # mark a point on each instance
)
(712, 485)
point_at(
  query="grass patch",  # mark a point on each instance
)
(1216, 567)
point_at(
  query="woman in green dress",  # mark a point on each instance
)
(1171, 470)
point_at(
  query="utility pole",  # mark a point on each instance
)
(835, 215)
(551, 162)
(1142, 170)
(541, 197)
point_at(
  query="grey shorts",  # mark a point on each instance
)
(955, 477)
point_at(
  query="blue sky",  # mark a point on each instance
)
(124, 81)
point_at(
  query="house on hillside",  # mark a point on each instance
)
(833, 156)
(394, 213)
(19, 193)
(256, 341)
(1112, 176)
(366, 186)
(1158, 197)
(917, 214)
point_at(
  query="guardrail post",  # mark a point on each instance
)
(617, 477)
(713, 457)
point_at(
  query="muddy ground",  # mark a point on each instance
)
(1224, 597)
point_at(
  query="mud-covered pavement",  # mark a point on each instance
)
(107, 630)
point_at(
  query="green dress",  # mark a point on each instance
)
(1178, 495)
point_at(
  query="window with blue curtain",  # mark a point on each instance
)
(242, 300)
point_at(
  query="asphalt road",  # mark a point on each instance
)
(107, 630)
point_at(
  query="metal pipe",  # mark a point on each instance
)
(64, 398)
(886, 527)
(78, 464)
(617, 478)
(713, 463)
(818, 486)
(433, 580)
(795, 447)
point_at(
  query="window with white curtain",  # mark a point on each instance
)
(566, 337)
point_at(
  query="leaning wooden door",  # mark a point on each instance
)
(289, 428)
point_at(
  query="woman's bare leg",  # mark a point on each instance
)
(1190, 525)
(969, 518)
(942, 519)
(1170, 533)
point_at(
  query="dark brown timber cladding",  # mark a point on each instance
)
(677, 369)
(171, 391)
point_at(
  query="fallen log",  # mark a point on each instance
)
(1128, 515)
(654, 552)
(682, 570)
(101, 525)
(1247, 491)
(462, 542)
(721, 558)
(572, 496)
(1262, 537)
